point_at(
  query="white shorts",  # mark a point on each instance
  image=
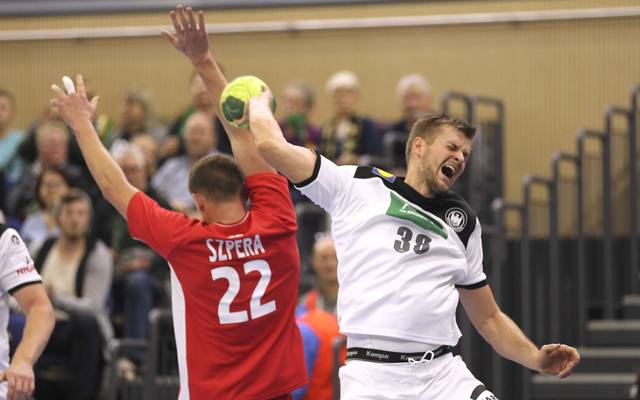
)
(444, 378)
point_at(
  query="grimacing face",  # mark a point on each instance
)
(444, 159)
(74, 219)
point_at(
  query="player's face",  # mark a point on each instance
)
(74, 219)
(445, 159)
(325, 261)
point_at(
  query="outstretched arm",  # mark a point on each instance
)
(509, 341)
(295, 162)
(76, 110)
(191, 39)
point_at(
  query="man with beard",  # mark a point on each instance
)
(76, 271)
(408, 250)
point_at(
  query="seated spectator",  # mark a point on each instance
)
(137, 117)
(317, 310)
(140, 272)
(295, 123)
(51, 185)
(171, 180)
(348, 138)
(416, 101)
(76, 271)
(10, 138)
(52, 144)
(150, 148)
(200, 102)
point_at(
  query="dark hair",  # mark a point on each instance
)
(50, 169)
(9, 95)
(216, 177)
(72, 196)
(426, 127)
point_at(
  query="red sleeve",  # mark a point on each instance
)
(160, 229)
(270, 198)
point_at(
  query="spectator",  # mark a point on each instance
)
(317, 310)
(137, 117)
(52, 144)
(171, 180)
(200, 102)
(51, 185)
(149, 147)
(20, 280)
(9, 138)
(296, 126)
(140, 272)
(416, 102)
(76, 271)
(348, 138)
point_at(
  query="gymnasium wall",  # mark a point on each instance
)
(554, 77)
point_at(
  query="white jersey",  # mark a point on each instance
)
(16, 271)
(401, 255)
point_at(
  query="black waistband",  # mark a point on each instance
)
(361, 353)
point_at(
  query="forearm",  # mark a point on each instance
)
(508, 340)
(295, 162)
(105, 171)
(38, 328)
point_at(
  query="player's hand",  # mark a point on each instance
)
(74, 108)
(190, 37)
(557, 359)
(20, 379)
(259, 109)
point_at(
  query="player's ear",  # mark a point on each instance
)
(199, 200)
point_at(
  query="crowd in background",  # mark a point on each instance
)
(101, 281)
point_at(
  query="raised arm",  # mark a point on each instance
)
(191, 39)
(76, 110)
(509, 341)
(295, 162)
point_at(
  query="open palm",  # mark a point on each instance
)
(190, 37)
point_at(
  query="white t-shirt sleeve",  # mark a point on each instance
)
(475, 277)
(330, 186)
(16, 265)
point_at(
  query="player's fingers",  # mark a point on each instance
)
(176, 23)
(201, 20)
(11, 388)
(566, 371)
(3, 377)
(59, 93)
(94, 101)
(550, 348)
(192, 20)
(170, 37)
(182, 18)
(80, 85)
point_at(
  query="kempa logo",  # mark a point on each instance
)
(456, 218)
(379, 356)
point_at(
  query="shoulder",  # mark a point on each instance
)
(454, 210)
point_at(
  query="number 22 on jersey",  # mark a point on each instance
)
(256, 308)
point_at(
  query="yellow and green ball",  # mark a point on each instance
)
(235, 97)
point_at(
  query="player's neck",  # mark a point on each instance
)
(416, 180)
(227, 212)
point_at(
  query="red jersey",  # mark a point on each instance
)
(234, 292)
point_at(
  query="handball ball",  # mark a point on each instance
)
(235, 98)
